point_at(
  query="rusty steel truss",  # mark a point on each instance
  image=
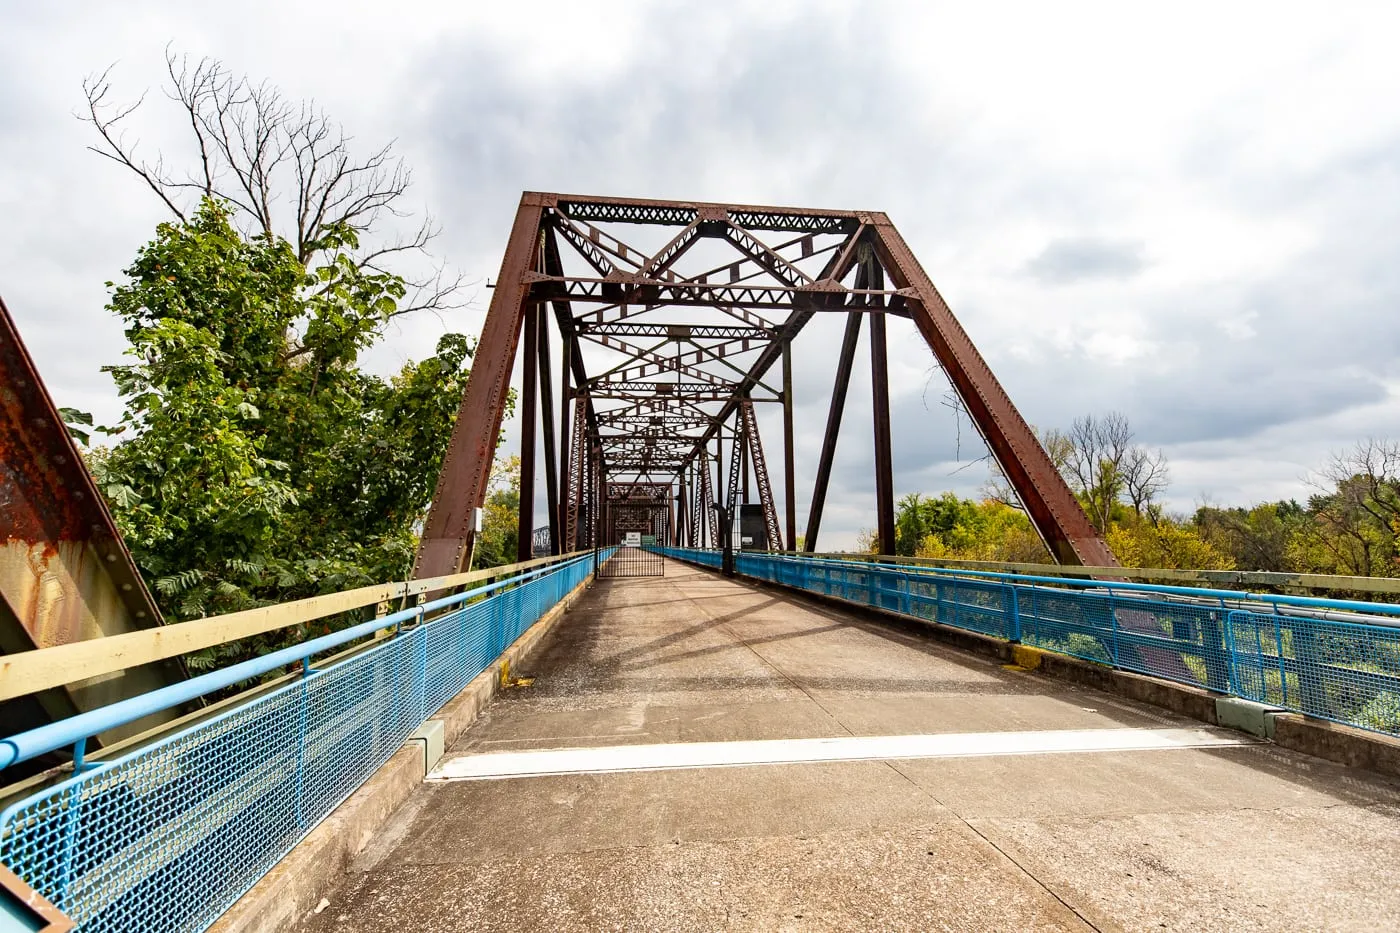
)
(671, 316)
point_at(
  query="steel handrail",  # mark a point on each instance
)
(76, 730)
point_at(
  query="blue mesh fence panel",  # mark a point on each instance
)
(166, 837)
(1335, 669)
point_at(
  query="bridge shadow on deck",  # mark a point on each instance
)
(1249, 837)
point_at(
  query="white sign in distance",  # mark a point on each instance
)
(632, 538)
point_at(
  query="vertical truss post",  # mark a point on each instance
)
(708, 502)
(551, 460)
(524, 549)
(736, 468)
(565, 452)
(789, 468)
(833, 426)
(744, 469)
(760, 473)
(699, 490)
(880, 398)
(574, 517)
(720, 486)
(466, 466)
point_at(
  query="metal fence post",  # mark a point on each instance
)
(1013, 628)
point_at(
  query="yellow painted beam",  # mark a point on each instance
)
(31, 671)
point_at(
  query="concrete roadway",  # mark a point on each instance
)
(1241, 837)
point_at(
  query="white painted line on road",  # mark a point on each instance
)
(614, 758)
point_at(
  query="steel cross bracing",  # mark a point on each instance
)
(669, 316)
(760, 472)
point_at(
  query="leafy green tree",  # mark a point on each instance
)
(1256, 538)
(986, 531)
(256, 461)
(500, 526)
(1155, 540)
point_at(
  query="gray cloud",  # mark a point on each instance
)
(1076, 259)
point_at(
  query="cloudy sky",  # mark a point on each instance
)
(1191, 216)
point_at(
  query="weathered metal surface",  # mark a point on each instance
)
(466, 467)
(880, 416)
(672, 377)
(65, 575)
(529, 398)
(833, 426)
(760, 472)
(789, 454)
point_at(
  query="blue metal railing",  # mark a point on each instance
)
(1335, 659)
(166, 837)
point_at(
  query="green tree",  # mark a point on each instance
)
(986, 531)
(500, 526)
(257, 462)
(1155, 540)
(1256, 538)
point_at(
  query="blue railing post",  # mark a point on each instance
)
(420, 632)
(1231, 656)
(303, 702)
(1013, 628)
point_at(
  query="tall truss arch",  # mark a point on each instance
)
(672, 317)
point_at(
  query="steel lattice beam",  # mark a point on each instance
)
(667, 400)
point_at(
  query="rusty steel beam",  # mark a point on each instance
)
(680, 331)
(880, 399)
(770, 290)
(551, 468)
(1052, 507)
(466, 467)
(789, 460)
(844, 363)
(524, 542)
(65, 574)
(760, 474)
(565, 452)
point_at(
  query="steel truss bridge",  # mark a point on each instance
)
(133, 802)
(674, 321)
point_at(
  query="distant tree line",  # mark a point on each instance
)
(1349, 526)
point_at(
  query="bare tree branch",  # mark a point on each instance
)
(285, 168)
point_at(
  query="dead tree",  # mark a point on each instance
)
(285, 168)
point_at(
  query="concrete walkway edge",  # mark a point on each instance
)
(295, 884)
(1321, 738)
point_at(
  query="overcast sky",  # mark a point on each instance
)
(1190, 216)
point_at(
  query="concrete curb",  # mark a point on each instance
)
(1317, 737)
(294, 886)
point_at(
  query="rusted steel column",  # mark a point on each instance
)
(789, 469)
(1052, 508)
(551, 474)
(880, 398)
(466, 468)
(833, 427)
(564, 451)
(528, 411)
(744, 469)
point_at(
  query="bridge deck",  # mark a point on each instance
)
(1239, 837)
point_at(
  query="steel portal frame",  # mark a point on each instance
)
(689, 325)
